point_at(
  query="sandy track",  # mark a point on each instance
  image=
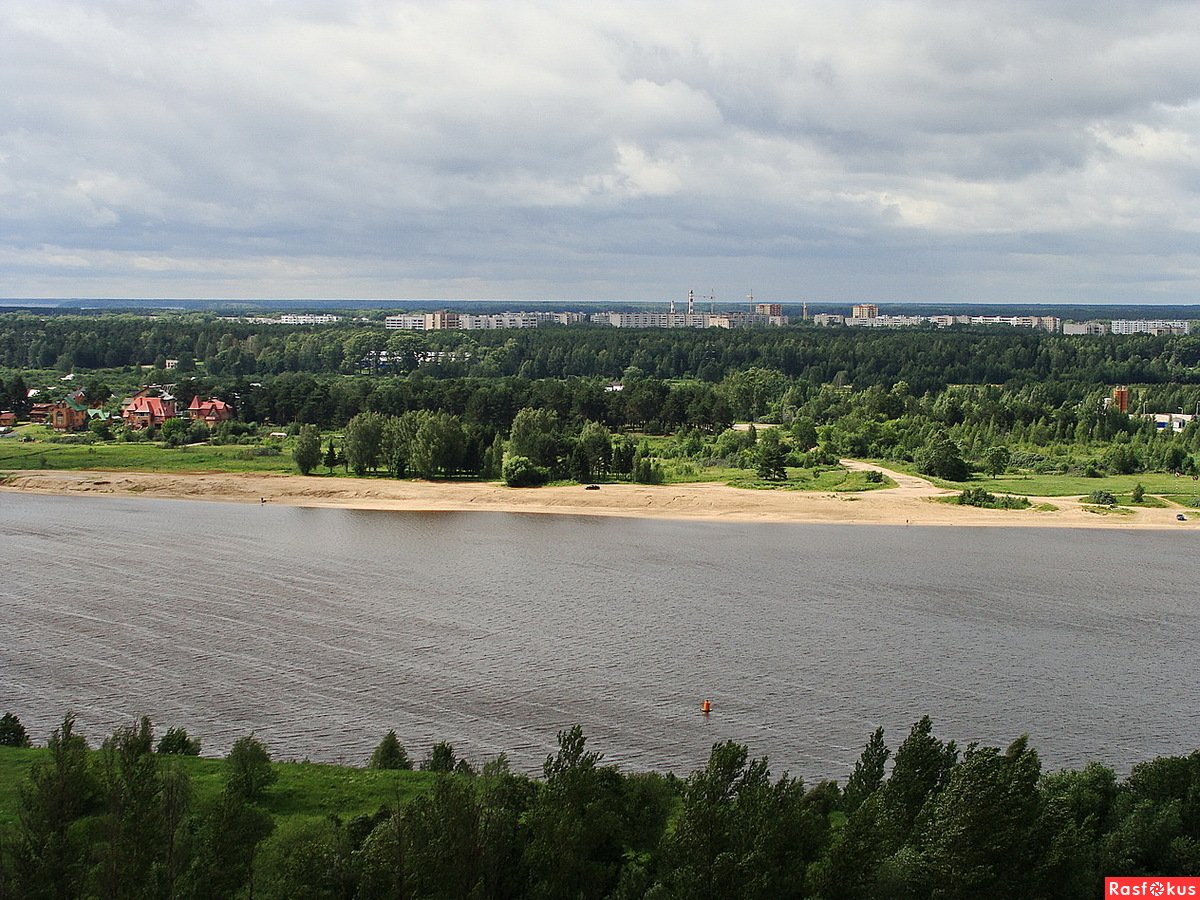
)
(910, 502)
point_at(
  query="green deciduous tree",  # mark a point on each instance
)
(51, 852)
(771, 456)
(536, 434)
(248, 769)
(445, 841)
(868, 773)
(224, 847)
(996, 460)
(980, 833)
(740, 835)
(646, 469)
(941, 458)
(363, 442)
(132, 829)
(595, 449)
(307, 452)
(575, 847)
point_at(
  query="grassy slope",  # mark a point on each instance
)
(304, 790)
(142, 457)
(1160, 483)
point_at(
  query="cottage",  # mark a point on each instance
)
(211, 412)
(68, 415)
(147, 412)
(8, 418)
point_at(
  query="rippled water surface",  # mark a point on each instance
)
(321, 629)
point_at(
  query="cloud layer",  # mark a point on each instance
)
(1003, 151)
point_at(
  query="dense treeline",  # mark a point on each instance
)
(948, 401)
(925, 359)
(125, 821)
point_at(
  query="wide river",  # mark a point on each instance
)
(321, 629)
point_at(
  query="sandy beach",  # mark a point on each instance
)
(911, 502)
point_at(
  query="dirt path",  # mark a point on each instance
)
(906, 485)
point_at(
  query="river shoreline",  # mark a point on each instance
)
(913, 501)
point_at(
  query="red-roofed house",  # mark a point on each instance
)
(211, 412)
(147, 412)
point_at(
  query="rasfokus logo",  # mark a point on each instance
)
(1151, 886)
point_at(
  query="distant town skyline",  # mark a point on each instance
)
(1006, 152)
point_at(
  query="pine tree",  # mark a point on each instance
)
(390, 754)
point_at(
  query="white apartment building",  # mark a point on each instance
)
(1090, 328)
(884, 321)
(307, 319)
(405, 323)
(824, 320)
(1151, 326)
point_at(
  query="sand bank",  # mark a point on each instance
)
(912, 501)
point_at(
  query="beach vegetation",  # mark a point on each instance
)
(986, 500)
(520, 471)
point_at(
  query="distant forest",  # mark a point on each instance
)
(926, 359)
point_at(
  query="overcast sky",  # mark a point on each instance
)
(1041, 151)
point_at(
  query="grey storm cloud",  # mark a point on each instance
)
(999, 151)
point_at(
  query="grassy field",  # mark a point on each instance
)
(146, 456)
(303, 791)
(836, 480)
(1157, 483)
(142, 457)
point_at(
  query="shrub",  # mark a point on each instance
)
(874, 477)
(519, 471)
(177, 742)
(248, 769)
(981, 498)
(976, 497)
(1102, 498)
(1138, 494)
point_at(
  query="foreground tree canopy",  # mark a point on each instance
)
(125, 821)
